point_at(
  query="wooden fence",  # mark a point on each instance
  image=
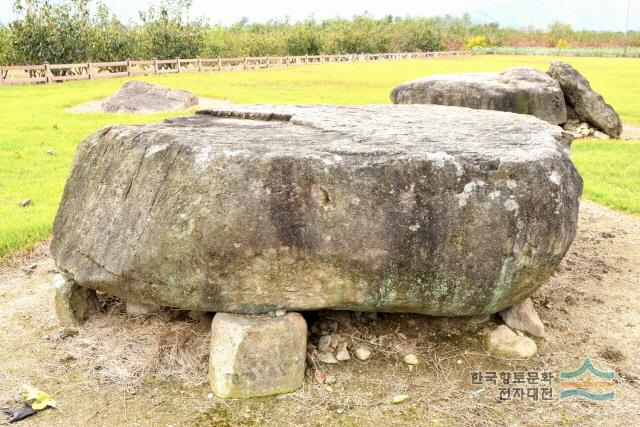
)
(51, 73)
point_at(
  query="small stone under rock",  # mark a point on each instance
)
(343, 354)
(523, 317)
(324, 344)
(502, 341)
(72, 303)
(327, 358)
(254, 356)
(141, 309)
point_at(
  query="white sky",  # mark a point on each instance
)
(590, 14)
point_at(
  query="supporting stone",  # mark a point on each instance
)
(141, 309)
(253, 356)
(72, 303)
(523, 317)
(503, 342)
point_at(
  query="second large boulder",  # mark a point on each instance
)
(141, 97)
(518, 90)
(589, 106)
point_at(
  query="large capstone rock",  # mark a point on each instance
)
(411, 208)
(518, 90)
(589, 106)
(141, 97)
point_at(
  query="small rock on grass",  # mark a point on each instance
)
(502, 341)
(363, 353)
(24, 203)
(400, 398)
(411, 359)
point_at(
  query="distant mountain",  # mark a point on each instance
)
(585, 14)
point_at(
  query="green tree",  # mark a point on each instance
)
(47, 32)
(5, 46)
(168, 35)
(110, 40)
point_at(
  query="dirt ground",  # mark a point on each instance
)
(118, 370)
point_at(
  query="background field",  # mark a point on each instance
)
(38, 138)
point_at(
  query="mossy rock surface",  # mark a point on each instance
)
(406, 208)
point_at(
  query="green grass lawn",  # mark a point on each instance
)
(33, 121)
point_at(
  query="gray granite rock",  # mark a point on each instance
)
(589, 106)
(518, 90)
(406, 208)
(141, 97)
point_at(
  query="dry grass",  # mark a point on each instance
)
(127, 351)
(123, 370)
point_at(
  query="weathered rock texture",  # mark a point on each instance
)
(517, 90)
(588, 105)
(253, 356)
(411, 208)
(72, 304)
(141, 97)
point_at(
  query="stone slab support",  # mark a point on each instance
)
(254, 356)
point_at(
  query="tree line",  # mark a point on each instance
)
(71, 31)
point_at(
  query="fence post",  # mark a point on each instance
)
(47, 72)
(267, 62)
(90, 70)
(178, 66)
(129, 73)
(199, 64)
(1, 76)
(244, 63)
(155, 66)
(286, 61)
(219, 64)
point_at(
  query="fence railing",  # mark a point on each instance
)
(52, 73)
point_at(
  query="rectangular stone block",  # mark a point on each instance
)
(253, 356)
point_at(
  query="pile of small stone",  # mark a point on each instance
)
(583, 130)
(333, 335)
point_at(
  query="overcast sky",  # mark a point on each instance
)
(581, 14)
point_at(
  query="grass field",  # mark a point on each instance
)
(33, 122)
